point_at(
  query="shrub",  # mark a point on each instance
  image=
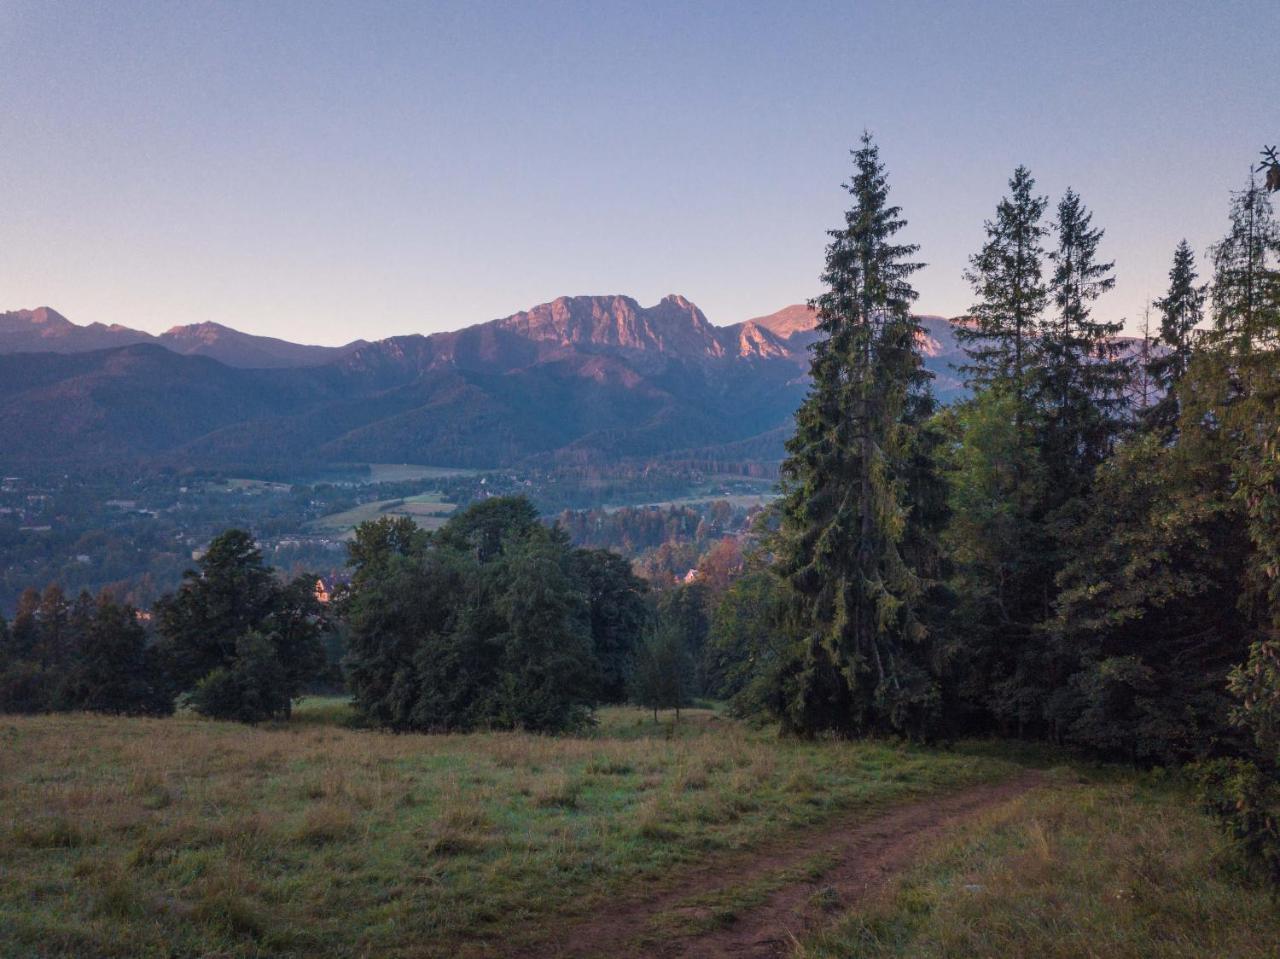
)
(1246, 800)
(254, 688)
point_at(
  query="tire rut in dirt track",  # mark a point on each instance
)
(867, 853)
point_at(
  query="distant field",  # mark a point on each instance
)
(186, 837)
(744, 493)
(428, 510)
(741, 500)
(260, 486)
(406, 472)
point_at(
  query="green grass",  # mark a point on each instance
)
(737, 500)
(745, 492)
(1108, 864)
(185, 837)
(324, 711)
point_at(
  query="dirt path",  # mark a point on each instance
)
(789, 889)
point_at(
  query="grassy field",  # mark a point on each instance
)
(257, 486)
(742, 492)
(406, 472)
(428, 510)
(186, 837)
(1099, 865)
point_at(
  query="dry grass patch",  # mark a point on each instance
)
(1117, 867)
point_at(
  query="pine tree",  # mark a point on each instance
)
(855, 600)
(1147, 622)
(548, 678)
(1181, 310)
(1000, 547)
(1007, 276)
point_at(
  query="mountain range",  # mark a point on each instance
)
(579, 379)
(44, 330)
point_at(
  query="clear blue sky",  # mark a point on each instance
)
(323, 171)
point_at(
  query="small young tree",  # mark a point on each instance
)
(1244, 794)
(660, 677)
(684, 609)
(1181, 310)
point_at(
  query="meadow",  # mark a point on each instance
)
(428, 510)
(187, 837)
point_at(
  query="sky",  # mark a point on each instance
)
(326, 171)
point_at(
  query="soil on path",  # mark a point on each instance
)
(803, 883)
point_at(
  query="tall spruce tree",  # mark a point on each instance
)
(1002, 564)
(1246, 286)
(1007, 277)
(1082, 378)
(861, 658)
(1181, 310)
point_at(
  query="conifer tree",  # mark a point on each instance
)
(861, 662)
(1082, 379)
(1142, 386)
(1007, 276)
(1181, 310)
(1246, 285)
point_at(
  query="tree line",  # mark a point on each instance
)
(1061, 556)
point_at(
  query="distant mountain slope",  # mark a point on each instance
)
(788, 321)
(45, 330)
(246, 350)
(133, 401)
(581, 378)
(795, 327)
